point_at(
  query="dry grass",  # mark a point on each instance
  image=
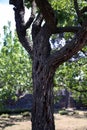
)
(63, 122)
(70, 123)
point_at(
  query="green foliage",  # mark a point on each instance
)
(15, 64)
(15, 67)
(65, 11)
(73, 76)
(27, 3)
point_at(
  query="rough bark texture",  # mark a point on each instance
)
(45, 62)
(42, 114)
(47, 12)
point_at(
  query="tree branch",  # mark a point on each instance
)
(77, 8)
(67, 29)
(47, 13)
(37, 26)
(33, 12)
(84, 9)
(71, 48)
(20, 24)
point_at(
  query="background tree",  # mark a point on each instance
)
(13, 68)
(46, 61)
(72, 76)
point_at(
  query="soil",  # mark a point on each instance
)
(62, 122)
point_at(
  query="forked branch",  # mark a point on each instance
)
(71, 48)
(20, 23)
(33, 12)
(47, 13)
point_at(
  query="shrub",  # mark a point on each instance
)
(63, 112)
(5, 116)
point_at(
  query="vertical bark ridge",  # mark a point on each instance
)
(42, 113)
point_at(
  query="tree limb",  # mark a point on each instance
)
(67, 29)
(20, 24)
(84, 9)
(47, 13)
(71, 48)
(36, 26)
(33, 12)
(77, 9)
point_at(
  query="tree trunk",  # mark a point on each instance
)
(42, 115)
(42, 112)
(44, 63)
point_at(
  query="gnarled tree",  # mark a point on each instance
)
(45, 62)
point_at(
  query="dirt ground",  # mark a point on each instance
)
(62, 122)
(70, 123)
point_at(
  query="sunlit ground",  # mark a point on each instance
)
(62, 122)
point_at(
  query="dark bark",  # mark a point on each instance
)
(45, 63)
(71, 48)
(42, 114)
(77, 9)
(48, 13)
(84, 9)
(72, 29)
(21, 26)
